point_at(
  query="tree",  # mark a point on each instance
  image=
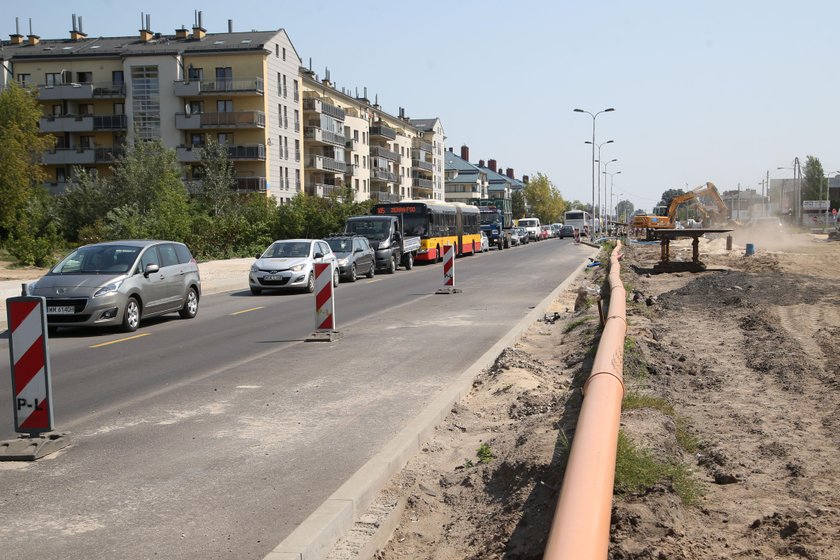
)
(21, 149)
(668, 195)
(578, 205)
(814, 180)
(625, 210)
(218, 179)
(517, 205)
(544, 199)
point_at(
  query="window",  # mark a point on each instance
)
(52, 79)
(86, 142)
(119, 108)
(284, 53)
(145, 93)
(117, 77)
(295, 89)
(277, 50)
(297, 120)
(168, 255)
(285, 117)
(195, 74)
(224, 106)
(57, 110)
(357, 185)
(285, 91)
(225, 138)
(150, 256)
(84, 77)
(197, 140)
(60, 175)
(297, 150)
(279, 83)
(356, 135)
(86, 110)
(224, 78)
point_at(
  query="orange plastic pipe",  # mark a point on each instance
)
(581, 526)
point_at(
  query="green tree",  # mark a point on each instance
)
(544, 200)
(625, 210)
(517, 204)
(83, 207)
(814, 181)
(668, 195)
(21, 149)
(578, 205)
(218, 180)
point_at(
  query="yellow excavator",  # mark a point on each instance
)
(664, 217)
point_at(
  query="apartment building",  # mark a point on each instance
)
(241, 89)
(351, 142)
(465, 182)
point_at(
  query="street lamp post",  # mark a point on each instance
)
(612, 208)
(606, 163)
(594, 116)
(601, 207)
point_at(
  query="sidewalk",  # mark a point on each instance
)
(216, 277)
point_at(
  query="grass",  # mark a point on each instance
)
(484, 453)
(637, 471)
(684, 437)
(575, 324)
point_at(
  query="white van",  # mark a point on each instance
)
(532, 226)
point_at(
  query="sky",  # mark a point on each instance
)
(720, 91)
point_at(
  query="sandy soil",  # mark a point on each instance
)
(746, 353)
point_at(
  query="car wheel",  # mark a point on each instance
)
(409, 261)
(190, 308)
(353, 276)
(392, 265)
(131, 316)
(255, 291)
(372, 272)
(335, 278)
(310, 283)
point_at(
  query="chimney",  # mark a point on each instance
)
(76, 33)
(465, 152)
(230, 26)
(182, 33)
(481, 163)
(525, 179)
(510, 173)
(17, 38)
(198, 30)
(491, 163)
(451, 149)
(145, 23)
(33, 39)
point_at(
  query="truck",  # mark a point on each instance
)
(496, 220)
(385, 234)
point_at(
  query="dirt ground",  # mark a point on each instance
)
(746, 353)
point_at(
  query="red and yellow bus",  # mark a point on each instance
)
(437, 223)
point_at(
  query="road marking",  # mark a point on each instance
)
(120, 340)
(247, 310)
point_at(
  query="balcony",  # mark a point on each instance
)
(56, 187)
(318, 106)
(383, 131)
(324, 190)
(81, 156)
(229, 86)
(252, 152)
(320, 136)
(324, 163)
(80, 91)
(251, 184)
(352, 145)
(424, 165)
(384, 196)
(110, 122)
(418, 183)
(352, 170)
(383, 175)
(423, 146)
(378, 151)
(66, 123)
(233, 119)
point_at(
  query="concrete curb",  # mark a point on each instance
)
(314, 538)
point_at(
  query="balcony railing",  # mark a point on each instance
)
(315, 134)
(250, 184)
(384, 196)
(382, 175)
(418, 183)
(320, 106)
(383, 131)
(233, 86)
(352, 144)
(326, 164)
(352, 170)
(423, 146)
(110, 122)
(233, 119)
(66, 123)
(192, 154)
(324, 189)
(379, 151)
(424, 165)
(80, 90)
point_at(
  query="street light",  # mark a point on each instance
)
(611, 188)
(594, 116)
(606, 163)
(601, 208)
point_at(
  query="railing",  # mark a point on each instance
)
(421, 164)
(422, 183)
(384, 196)
(352, 169)
(108, 89)
(320, 106)
(326, 163)
(581, 525)
(110, 122)
(234, 119)
(424, 146)
(186, 88)
(66, 123)
(382, 175)
(384, 131)
(324, 189)
(379, 151)
(313, 133)
(107, 155)
(250, 184)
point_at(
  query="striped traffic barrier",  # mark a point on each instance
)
(448, 271)
(325, 327)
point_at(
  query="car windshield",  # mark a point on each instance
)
(372, 229)
(341, 244)
(98, 259)
(288, 249)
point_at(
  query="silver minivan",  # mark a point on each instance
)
(118, 283)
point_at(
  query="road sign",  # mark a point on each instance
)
(30, 361)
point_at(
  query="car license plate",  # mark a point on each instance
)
(61, 310)
(272, 277)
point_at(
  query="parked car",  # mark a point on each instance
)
(567, 231)
(354, 256)
(524, 235)
(118, 283)
(515, 238)
(485, 242)
(555, 229)
(545, 232)
(290, 264)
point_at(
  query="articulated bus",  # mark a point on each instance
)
(579, 219)
(437, 223)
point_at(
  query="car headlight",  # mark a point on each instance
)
(108, 288)
(255, 268)
(342, 262)
(298, 267)
(495, 232)
(384, 244)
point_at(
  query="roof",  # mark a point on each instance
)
(98, 47)
(426, 125)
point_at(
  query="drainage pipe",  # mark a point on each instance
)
(581, 525)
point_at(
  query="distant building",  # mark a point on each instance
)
(464, 181)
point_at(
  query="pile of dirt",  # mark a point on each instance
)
(744, 358)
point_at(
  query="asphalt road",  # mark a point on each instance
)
(215, 437)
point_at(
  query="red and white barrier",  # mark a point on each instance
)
(30, 361)
(324, 301)
(448, 271)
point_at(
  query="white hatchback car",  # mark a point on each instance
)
(290, 264)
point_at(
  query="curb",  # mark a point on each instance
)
(314, 538)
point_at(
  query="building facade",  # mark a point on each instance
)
(465, 182)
